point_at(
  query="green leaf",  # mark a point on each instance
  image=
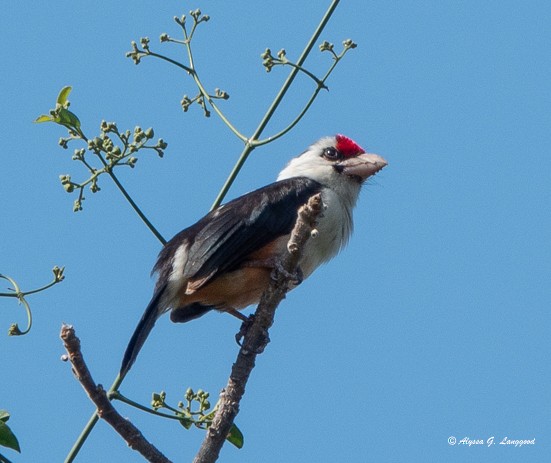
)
(4, 415)
(44, 118)
(235, 437)
(67, 118)
(186, 422)
(63, 95)
(7, 437)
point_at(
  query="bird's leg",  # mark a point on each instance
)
(239, 315)
(247, 322)
(245, 326)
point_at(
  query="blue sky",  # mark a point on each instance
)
(434, 322)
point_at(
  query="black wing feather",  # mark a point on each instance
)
(222, 239)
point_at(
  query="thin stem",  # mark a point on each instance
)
(321, 86)
(193, 72)
(205, 93)
(121, 188)
(319, 82)
(118, 396)
(170, 60)
(137, 209)
(16, 290)
(250, 144)
(132, 203)
(90, 168)
(216, 108)
(33, 291)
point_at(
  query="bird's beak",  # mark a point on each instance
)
(362, 166)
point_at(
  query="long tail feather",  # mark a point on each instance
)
(146, 324)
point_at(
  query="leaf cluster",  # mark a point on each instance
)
(111, 147)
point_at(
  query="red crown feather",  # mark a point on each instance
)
(348, 147)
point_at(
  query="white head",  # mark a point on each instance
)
(337, 163)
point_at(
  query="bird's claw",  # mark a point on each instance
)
(295, 278)
(245, 326)
(243, 329)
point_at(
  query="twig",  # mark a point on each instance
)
(256, 337)
(251, 143)
(105, 409)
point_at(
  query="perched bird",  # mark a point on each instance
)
(224, 261)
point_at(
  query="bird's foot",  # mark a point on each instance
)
(295, 278)
(245, 326)
(247, 322)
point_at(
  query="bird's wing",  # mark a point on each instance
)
(223, 239)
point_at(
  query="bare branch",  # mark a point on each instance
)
(105, 409)
(256, 337)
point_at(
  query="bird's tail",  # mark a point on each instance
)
(146, 324)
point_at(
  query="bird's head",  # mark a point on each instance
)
(336, 162)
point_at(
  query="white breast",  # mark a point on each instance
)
(334, 229)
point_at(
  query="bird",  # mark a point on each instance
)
(224, 261)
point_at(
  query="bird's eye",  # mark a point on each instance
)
(332, 154)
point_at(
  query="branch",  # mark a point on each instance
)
(256, 337)
(105, 409)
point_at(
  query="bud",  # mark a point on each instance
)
(144, 41)
(326, 46)
(58, 273)
(348, 44)
(186, 103)
(77, 205)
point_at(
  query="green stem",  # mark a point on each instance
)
(251, 142)
(16, 290)
(132, 203)
(45, 287)
(192, 72)
(124, 193)
(170, 60)
(137, 209)
(206, 94)
(321, 86)
(118, 396)
(318, 82)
